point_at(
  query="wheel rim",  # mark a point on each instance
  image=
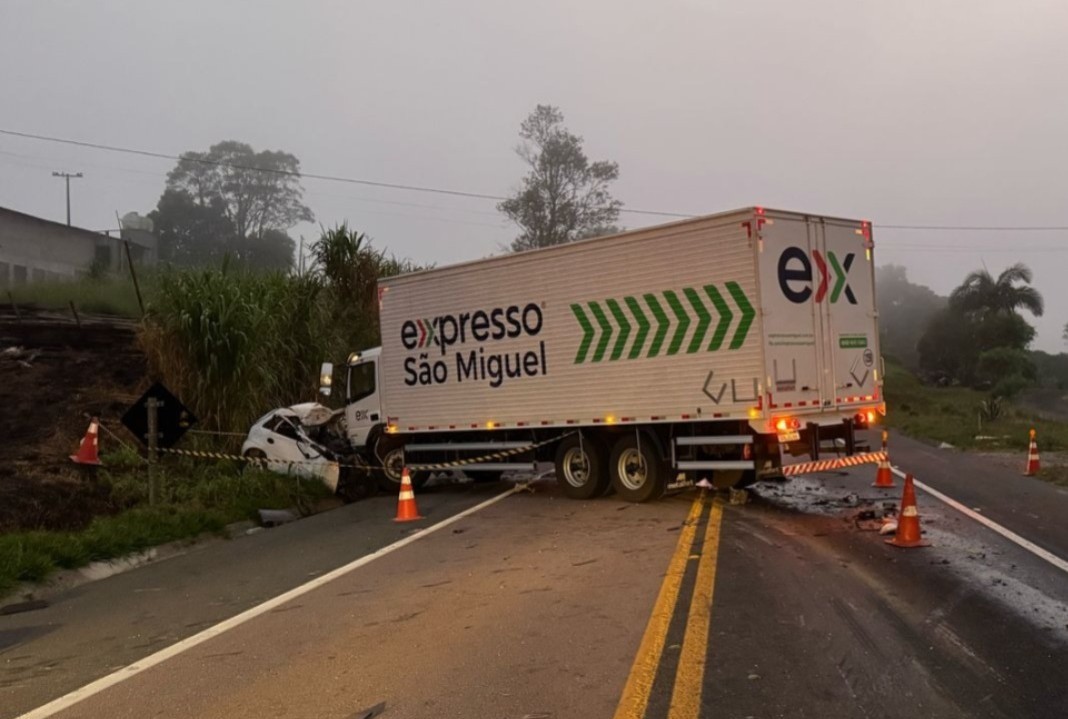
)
(576, 467)
(632, 469)
(393, 463)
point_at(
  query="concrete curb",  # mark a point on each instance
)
(34, 593)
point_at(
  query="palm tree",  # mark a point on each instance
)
(982, 294)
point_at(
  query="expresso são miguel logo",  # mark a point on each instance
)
(461, 347)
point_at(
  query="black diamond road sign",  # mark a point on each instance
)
(174, 418)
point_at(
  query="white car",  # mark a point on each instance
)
(281, 437)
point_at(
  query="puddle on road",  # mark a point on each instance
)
(975, 555)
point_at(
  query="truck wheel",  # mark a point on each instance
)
(389, 455)
(733, 478)
(580, 469)
(354, 484)
(638, 473)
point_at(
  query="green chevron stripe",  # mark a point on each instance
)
(703, 320)
(840, 277)
(725, 317)
(606, 331)
(624, 329)
(683, 324)
(747, 315)
(643, 327)
(662, 324)
(587, 333)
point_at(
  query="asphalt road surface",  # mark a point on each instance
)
(533, 606)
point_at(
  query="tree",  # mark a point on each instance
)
(260, 191)
(194, 235)
(231, 201)
(981, 293)
(564, 195)
(344, 261)
(191, 233)
(905, 308)
(982, 316)
(599, 231)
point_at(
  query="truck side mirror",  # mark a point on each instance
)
(326, 378)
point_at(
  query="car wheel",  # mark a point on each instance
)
(256, 458)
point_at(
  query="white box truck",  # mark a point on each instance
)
(708, 346)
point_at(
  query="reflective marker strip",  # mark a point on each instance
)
(826, 465)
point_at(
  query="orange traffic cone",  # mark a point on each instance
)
(406, 509)
(908, 524)
(883, 476)
(1032, 457)
(87, 452)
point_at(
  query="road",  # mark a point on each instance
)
(535, 606)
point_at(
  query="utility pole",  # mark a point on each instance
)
(66, 176)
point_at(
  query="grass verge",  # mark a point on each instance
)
(195, 498)
(111, 296)
(951, 414)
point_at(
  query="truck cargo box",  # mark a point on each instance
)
(742, 315)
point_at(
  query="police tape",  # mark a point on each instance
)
(203, 454)
(487, 457)
(825, 465)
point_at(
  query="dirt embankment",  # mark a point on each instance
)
(59, 375)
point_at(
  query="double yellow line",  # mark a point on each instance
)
(689, 676)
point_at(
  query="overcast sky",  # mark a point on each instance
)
(944, 112)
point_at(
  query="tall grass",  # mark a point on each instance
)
(233, 344)
(105, 295)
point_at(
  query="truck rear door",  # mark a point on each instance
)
(818, 300)
(794, 345)
(845, 277)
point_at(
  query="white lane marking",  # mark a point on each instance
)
(68, 700)
(991, 524)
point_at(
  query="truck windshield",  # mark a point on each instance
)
(361, 381)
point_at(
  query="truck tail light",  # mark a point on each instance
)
(865, 418)
(787, 424)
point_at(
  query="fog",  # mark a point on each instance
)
(944, 113)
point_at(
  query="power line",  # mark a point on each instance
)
(473, 195)
(288, 173)
(976, 228)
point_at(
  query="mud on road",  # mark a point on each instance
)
(56, 375)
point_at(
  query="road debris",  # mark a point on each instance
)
(275, 517)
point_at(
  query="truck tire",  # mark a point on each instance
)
(580, 469)
(354, 484)
(638, 473)
(389, 462)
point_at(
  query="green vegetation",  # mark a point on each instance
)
(953, 415)
(980, 338)
(195, 498)
(234, 344)
(1057, 474)
(111, 295)
(564, 197)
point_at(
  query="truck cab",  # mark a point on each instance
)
(363, 397)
